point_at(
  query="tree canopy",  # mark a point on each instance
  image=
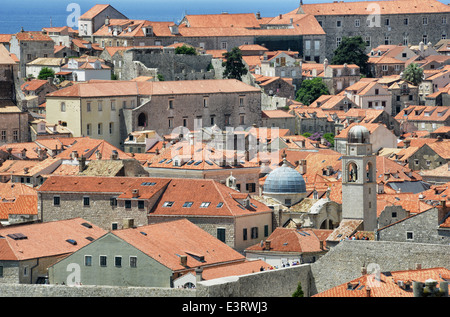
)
(413, 73)
(46, 73)
(310, 90)
(234, 65)
(186, 50)
(352, 51)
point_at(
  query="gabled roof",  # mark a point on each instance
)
(33, 36)
(94, 11)
(166, 242)
(424, 113)
(45, 239)
(88, 148)
(17, 199)
(5, 56)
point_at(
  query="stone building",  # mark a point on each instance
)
(387, 60)
(380, 22)
(13, 121)
(430, 226)
(225, 213)
(359, 195)
(91, 21)
(422, 118)
(28, 46)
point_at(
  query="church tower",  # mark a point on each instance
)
(359, 195)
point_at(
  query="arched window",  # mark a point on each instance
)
(352, 173)
(142, 120)
(369, 171)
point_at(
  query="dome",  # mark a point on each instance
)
(284, 180)
(358, 134)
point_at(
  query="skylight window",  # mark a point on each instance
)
(198, 163)
(168, 204)
(219, 205)
(148, 184)
(188, 204)
(162, 161)
(205, 204)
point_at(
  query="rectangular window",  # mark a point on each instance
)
(338, 41)
(103, 260)
(100, 106)
(254, 233)
(99, 129)
(205, 102)
(113, 105)
(316, 45)
(241, 101)
(188, 204)
(118, 261)
(244, 234)
(425, 21)
(386, 40)
(111, 127)
(224, 45)
(444, 20)
(88, 107)
(114, 226)
(3, 135)
(170, 122)
(387, 22)
(141, 204)
(367, 41)
(357, 23)
(170, 103)
(242, 120)
(250, 187)
(133, 261)
(87, 260)
(409, 235)
(113, 201)
(56, 201)
(338, 23)
(63, 107)
(405, 21)
(1, 271)
(307, 45)
(86, 201)
(221, 234)
(88, 129)
(266, 230)
(128, 204)
(204, 204)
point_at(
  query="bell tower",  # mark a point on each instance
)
(359, 195)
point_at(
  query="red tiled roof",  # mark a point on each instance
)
(94, 11)
(46, 239)
(32, 36)
(160, 243)
(387, 286)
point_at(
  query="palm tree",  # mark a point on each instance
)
(413, 73)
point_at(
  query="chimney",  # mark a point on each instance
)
(368, 291)
(418, 266)
(363, 270)
(258, 15)
(199, 274)
(183, 260)
(74, 155)
(107, 20)
(24, 152)
(135, 193)
(302, 166)
(321, 245)
(406, 143)
(267, 245)
(82, 163)
(25, 170)
(281, 16)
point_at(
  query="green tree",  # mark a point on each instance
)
(298, 292)
(186, 50)
(310, 90)
(352, 51)
(46, 73)
(413, 73)
(234, 65)
(330, 138)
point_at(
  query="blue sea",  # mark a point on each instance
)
(33, 15)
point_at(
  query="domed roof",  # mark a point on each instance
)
(358, 134)
(284, 180)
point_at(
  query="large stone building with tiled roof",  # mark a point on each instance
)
(381, 22)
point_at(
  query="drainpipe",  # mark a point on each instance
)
(31, 270)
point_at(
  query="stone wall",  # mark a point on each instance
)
(275, 283)
(26, 290)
